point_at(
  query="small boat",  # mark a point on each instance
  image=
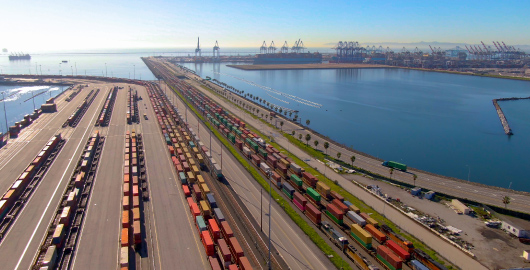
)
(65, 61)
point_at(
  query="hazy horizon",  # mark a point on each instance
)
(58, 25)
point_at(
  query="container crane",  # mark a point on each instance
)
(272, 48)
(198, 49)
(263, 48)
(285, 48)
(216, 54)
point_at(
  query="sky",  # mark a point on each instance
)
(29, 25)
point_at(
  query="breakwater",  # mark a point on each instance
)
(502, 117)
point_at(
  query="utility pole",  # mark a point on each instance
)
(270, 214)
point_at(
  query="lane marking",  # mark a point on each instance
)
(83, 139)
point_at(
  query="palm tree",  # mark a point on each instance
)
(391, 172)
(307, 122)
(414, 176)
(338, 155)
(281, 110)
(300, 136)
(307, 138)
(281, 125)
(316, 143)
(506, 200)
(352, 160)
(326, 146)
(294, 132)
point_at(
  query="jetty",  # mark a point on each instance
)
(502, 117)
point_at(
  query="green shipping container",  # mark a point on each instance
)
(263, 153)
(238, 132)
(232, 137)
(287, 193)
(254, 146)
(386, 262)
(297, 181)
(200, 223)
(358, 239)
(338, 221)
(313, 194)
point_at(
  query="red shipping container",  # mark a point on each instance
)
(244, 264)
(126, 189)
(336, 196)
(313, 213)
(340, 206)
(186, 190)
(214, 263)
(226, 230)
(299, 198)
(195, 211)
(235, 249)
(214, 229)
(390, 257)
(125, 237)
(207, 243)
(334, 211)
(137, 232)
(224, 252)
(398, 250)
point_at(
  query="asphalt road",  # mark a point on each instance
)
(19, 247)
(176, 242)
(99, 238)
(445, 249)
(293, 245)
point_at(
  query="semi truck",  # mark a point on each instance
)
(395, 165)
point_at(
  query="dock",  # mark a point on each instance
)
(309, 66)
(502, 117)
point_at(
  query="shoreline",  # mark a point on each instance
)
(363, 66)
(330, 140)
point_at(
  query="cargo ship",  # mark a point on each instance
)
(19, 57)
(288, 58)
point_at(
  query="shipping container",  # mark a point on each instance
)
(244, 264)
(201, 225)
(211, 200)
(390, 260)
(356, 218)
(313, 214)
(226, 230)
(404, 255)
(378, 235)
(323, 189)
(224, 253)
(218, 215)
(361, 236)
(207, 243)
(334, 214)
(288, 190)
(416, 265)
(235, 249)
(299, 201)
(340, 205)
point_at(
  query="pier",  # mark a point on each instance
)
(502, 117)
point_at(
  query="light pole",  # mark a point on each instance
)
(105, 69)
(5, 113)
(270, 202)
(134, 72)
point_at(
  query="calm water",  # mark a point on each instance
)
(436, 122)
(19, 101)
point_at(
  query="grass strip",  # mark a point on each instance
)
(334, 186)
(284, 204)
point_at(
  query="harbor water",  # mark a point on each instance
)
(437, 122)
(442, 123)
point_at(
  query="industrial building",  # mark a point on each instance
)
(460, 207)
(518, 228)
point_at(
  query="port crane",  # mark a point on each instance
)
(216, 54)
(198, 49)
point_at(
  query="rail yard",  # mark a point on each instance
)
(128, 174)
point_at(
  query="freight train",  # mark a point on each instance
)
(286, 175)
(217, 238)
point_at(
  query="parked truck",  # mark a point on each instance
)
(395, 165)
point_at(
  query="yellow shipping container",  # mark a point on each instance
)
(354, 209)
(322, 188)
(205, 208)
(373, 222)
(205, 188)
(200, 179)
(191, 177)
(195, 170)
(361, 233)
(191, 162)
(285, 162)
(200, 159)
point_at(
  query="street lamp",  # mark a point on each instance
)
(5, 113)
(270, 202)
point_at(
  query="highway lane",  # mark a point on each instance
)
(99, 237)
(294, 246)
(445, 249)
(177, 244)
(18, 249)
(19, 152)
